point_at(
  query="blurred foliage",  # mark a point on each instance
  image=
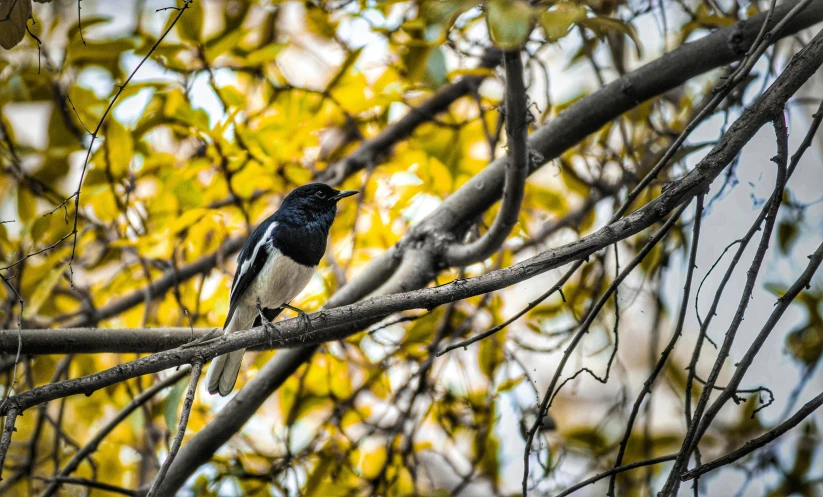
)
(242, 102)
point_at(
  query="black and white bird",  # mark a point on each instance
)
(275, 265)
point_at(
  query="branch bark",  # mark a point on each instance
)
(517, 128)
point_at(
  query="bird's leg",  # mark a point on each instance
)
(302, 314)
(269, 326)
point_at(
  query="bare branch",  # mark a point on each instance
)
(517, 128)
(615, 471)
(753, 445)
(664, 356)
(121, 416)
(693, 435)
(196, 368)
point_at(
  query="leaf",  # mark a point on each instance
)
(264, 55)
(787, 233)
(13, 28)
(171, 404)
(601, 25)
(489, 356)
(42, 291)
(26, 205)
(119, 148)
(510, 22)
(556, 22)
(190, 25)
(511, 383)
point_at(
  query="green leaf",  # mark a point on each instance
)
(264, 55)
(172, 401)
(510, 22)
(490, 356)
(13, 28)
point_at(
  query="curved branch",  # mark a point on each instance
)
(517, 170)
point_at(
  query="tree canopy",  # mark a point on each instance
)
(569, 249)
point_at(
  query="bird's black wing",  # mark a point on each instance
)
(251, 260)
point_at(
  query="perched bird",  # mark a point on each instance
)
(275, 265)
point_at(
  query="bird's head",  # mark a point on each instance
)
(315, 200)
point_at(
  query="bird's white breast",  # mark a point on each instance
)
(277, 283)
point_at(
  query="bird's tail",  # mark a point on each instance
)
(224, 369)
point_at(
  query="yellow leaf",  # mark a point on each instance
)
(556, 22)
(119, 148)
(42, 292)
(190, 25)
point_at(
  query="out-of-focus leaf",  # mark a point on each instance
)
(42, 291)
(171, 404)
(26, 205)
(787, 233)
(490, 355)
(264, 55)
(510, 22)
(190, 24)
(13, 29)
(556, 22)
(602, 25)
(119, 148)
(510, 383)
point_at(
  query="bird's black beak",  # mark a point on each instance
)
(344, 194)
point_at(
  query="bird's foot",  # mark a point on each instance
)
(303, 315)
(267, 323)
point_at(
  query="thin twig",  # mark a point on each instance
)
(124, 413)
(196, 368)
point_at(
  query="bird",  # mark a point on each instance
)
(275, 264)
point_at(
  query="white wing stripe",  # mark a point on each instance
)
(244, 267)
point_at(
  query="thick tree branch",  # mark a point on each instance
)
(517, 128)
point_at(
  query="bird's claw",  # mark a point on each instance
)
(302, 314)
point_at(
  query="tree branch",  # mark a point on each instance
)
(753, 445)
(570, 127)
(196, 368)
(121, 416)
(693, 436)
(517, 128)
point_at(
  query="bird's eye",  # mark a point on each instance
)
(320, 195)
